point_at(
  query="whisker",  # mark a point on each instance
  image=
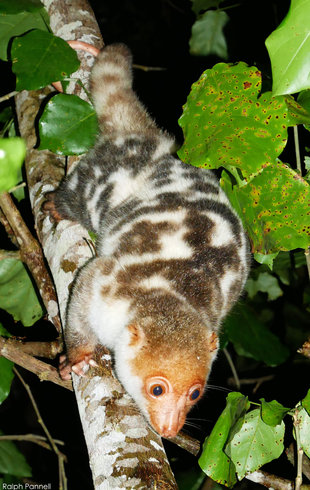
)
(219, 388)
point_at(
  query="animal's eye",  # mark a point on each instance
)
(157, 386)
(157, 390)
(195, 394)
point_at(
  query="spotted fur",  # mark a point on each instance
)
(172, 255)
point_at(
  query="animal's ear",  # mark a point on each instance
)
(213, 342)
(136, 335)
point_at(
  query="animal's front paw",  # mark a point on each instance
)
(78, 366)
(49, 208)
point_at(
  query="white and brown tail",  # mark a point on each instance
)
(118, 108)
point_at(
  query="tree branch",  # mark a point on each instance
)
(121, 445)
(44, 371)
(31, 254)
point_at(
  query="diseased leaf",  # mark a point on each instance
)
(213, 461)
(288, 47)
(298, 112)
(12, 461)
(68, 125)
(12, 154)
(247, 332)
(225, 124)
(17, 24)
(7, 375)
(255, 444)
(207, 35)
(40, 58)
(274, 208)
(17, 295)
(303, 421)
(273, 412)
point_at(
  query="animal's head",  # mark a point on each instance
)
(165, 370)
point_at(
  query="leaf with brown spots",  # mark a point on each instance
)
(213, 461)
(274, 208)
(254, 443)
(226, 124)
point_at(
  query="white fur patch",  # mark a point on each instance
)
(173, 246)
(221, 231)
(226, 282)
(73, 181)
(93, 208)
(123, 353)
(125, 185)
(107, 316)
(156, 281)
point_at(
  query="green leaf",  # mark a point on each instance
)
(288, 48)
(298, 112)
(40, 58)
(303, 422)
(255, 444)
(17, 24)
(9, 7)
(265, 283)
(245, 330)
(273, 412)
(207, 35)
(306, 402)
(68, 125)
(12, 154)
(225, 124)
(7, 375)
(17, 295)
(12, 461)
(213, 461)
(304, 100)
(274, 209)
(4, 332)
(265, 259)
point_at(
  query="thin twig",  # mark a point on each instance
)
(273, 481)
(299, 451)
(10, 254)
(62, 476)
(39, 440)
(249, 381)
(8, 96)
(232, 367)
(149, 68)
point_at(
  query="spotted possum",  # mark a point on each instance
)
(172, 255)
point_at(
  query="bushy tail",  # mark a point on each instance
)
(117, 107)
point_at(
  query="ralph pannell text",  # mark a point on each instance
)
(25, 486)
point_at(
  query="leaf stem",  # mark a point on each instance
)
(232, 367)
(297, 150)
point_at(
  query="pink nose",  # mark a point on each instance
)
(168, 425)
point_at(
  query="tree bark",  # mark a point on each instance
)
(123, 450)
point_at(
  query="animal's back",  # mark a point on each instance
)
(176, 252)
